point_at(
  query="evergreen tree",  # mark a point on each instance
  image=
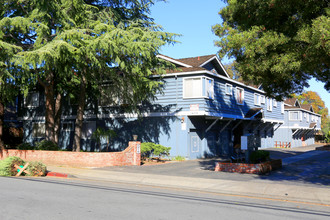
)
(280, 44)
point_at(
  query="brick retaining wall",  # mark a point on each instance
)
(259, 168)
(128, 157)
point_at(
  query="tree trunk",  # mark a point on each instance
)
(2, 115)
(58, 114)
(50, 121)
(80, 115)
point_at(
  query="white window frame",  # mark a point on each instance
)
(275, 103)
(184, 88)
(236, 96)
(269, 104)
(282, 107)
(209, 89)
(257, 99)
(307, 118)
(230, 87)
(41, 133)
(262, 99)
(299, 116)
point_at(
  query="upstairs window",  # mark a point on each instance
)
(209, 88)
(269, 104)
(275, 103)
(239, 96)
(32, 99)
(229, 89)
(262, 99)
(192, 88)
(295, 116)
(307, 118)
(257, 99)
(282, 107)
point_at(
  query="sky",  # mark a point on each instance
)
(193, 20)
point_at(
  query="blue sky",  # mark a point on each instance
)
(193, 19)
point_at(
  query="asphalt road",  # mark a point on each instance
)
(45, 198)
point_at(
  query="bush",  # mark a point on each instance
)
(47, 145)
(36, 168)
(7, 167)
(149, 148)
(25, 146)
(259, 156)
(179, 158)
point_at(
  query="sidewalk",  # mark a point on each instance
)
(249, 187)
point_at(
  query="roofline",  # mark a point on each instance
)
(295, 109)
(213, 74)
(215, 57)
(172, 60)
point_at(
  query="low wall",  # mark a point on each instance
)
(130, 156)
(259, 168)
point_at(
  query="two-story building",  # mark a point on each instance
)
(300, 125)
(200, 112)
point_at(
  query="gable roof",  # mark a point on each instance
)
(307, 107)
(197, 63)
(292, 102)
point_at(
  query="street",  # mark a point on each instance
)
(55, 198)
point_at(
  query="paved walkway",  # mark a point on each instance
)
(296, 181)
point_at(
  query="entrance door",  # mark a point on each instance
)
(194, 145)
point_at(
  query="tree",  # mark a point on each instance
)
(82, 43)
(279, 44)
(313, 98)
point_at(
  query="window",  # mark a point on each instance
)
(269, 105)
(67, 126)
(282, 107)
(38, 130)
(275, 103)
(262, 101)
(32, 99)
(295, 116)
(229, 89)
(239, 96)
(257, 99)
(305, 114)
(192, 87)
(307, 118)
(209, 88)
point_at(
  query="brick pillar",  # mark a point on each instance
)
(136, 145)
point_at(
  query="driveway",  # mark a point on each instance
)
(304, 166)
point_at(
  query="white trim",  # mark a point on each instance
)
(269, 105)
(262, 99)
(236, 95)
(221, 66)
(184, 87)
(301, 109)
(231, 89)
(299, 116)
(272, 120)
(258, 99)
(173, 61)
(212, 74)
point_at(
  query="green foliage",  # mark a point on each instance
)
(179, 158)
(36, 168)
(102, 133)
(25, 146)
(149, 148)
(259, 156)
(327, 137)
(46, 145)
(280, 44)
(7, 166)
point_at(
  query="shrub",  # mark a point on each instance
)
(7, 167)
(36, 168)
(25, 146)
(179, 158)
(149, 148)
(259, 156)
(47, 145)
